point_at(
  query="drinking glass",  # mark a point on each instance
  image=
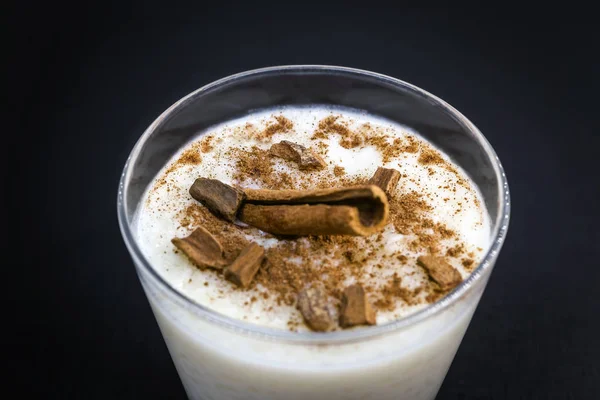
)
(218, 357)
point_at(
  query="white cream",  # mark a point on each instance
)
(157, 218)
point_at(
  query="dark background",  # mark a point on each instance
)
(88, 81)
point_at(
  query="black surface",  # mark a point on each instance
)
(89, 81)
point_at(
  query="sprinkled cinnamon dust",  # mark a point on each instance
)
(329, 125)
(389, 147)
(456, 251)
(468, 263)
(256, 166)
(190, 156)
(281, 125)
(338, 171)
(206, 144)
(393, 291)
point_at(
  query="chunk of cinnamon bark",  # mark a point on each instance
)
(315, 307)
(304, 157)
(246, 265)
(221, 199)
(386, 178)
(315, 196)
(357, 210)
(356, 308)
(442, 273)
(202, 248)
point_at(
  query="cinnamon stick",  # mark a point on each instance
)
(356, 309)
(316, 309)
(304, 157)
(442, 273)
(386, 178)
(202, 248)
(357, 210)
(246, 265)
(221, 199)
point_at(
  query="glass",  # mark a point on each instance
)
(221, 358)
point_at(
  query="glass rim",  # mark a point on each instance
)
(500, 225)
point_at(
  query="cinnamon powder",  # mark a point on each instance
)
(280, 125)
(338, 171)
(190, 156)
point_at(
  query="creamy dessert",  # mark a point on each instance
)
(312, 218)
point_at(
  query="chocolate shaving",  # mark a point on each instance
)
(246, 265)
(357, 210)
(356, 308)
(202, 248)
(304, 157)
(221, 199)
(442, 273)
(386, 178)
(316, 309)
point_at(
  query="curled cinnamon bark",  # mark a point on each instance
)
(357, 210)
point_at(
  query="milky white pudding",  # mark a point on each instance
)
(434, 210)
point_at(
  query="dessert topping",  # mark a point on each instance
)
(386, 178)
(303, 156)
(221, 199)
(202, 248)
(442, 273)
(356, 308)
(316, 309)
(246, 265)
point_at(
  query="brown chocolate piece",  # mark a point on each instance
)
(357, 210)
(356, 308)
(246, 265)
(304, 157)
(316, 309)
(202, 248)
(444, 274)
(221, 199)
(386, 178)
